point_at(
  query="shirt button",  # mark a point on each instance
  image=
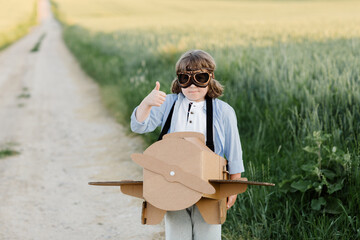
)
(192, 112)
(190, 121)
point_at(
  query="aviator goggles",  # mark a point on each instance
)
(199, 78)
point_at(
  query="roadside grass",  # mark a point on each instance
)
(297, 103)
(7, 153)
(7, 150)
(37, 45)
(24, 93)
(17, 17)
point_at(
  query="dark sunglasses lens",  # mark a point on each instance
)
(202, 77)
(183, 78)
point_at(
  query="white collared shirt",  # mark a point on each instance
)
(226, 134)
(193, 120)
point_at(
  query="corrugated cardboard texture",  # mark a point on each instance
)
(132, 190)
(177, 170)
(180, 171)
(151, 215)
(213, 211)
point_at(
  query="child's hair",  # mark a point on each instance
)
(194, 60)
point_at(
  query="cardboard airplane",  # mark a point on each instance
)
(179, 171)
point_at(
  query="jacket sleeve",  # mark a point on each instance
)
(232, 148)
(154, 119)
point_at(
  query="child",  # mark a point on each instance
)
(195, 91)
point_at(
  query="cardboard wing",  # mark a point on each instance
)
(178, 172)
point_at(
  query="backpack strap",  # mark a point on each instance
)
(209, 124)
(167, 123)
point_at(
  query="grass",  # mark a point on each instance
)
(290, 69)
(25, 91)
(17, 17)
(6, 150)
(37, 45)
(7, 153)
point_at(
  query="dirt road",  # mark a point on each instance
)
(52, 112)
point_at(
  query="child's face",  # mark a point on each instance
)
(194, 93)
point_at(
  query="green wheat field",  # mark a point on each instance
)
(290, 70)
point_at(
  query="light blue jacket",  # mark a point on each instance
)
(226, 134)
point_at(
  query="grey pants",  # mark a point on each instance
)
(188, 224)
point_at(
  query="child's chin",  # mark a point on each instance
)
(196, 99)
(192, 97)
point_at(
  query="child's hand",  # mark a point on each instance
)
(156, 97)
(230, 201)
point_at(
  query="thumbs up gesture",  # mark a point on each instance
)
(155, 97)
